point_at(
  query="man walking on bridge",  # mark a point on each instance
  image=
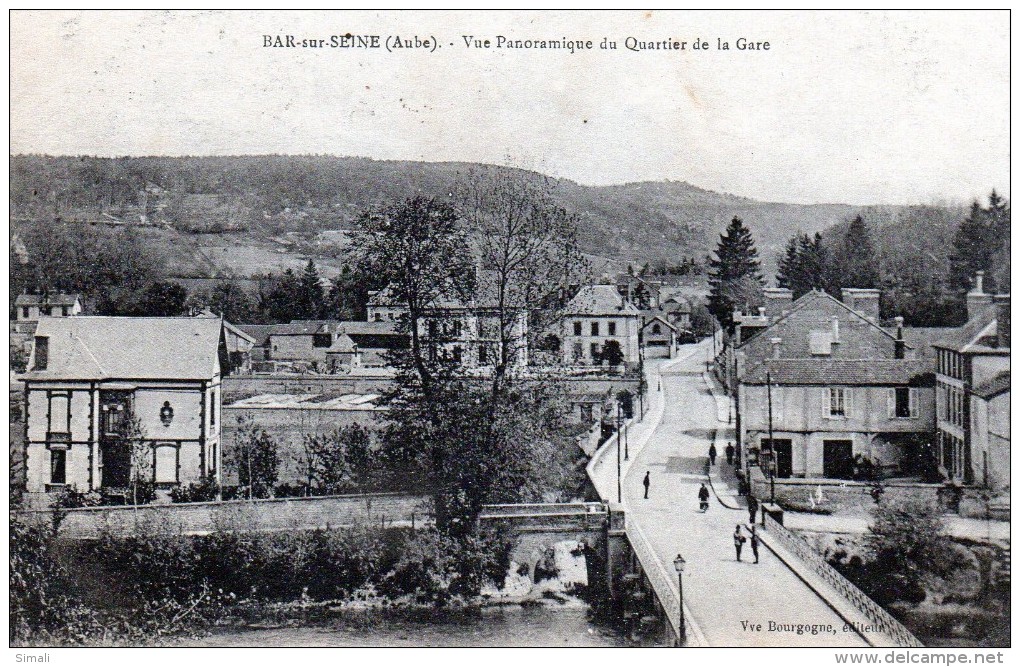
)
(703, 497)
(647, 482)
(738, 541)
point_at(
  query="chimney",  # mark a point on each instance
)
(761, 312)
(1002, 319)
(777, 302)
(862, 301)
(901, 344)
(835, 329)
(977, 300)
(776, 342)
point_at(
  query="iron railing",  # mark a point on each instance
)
(880, 618)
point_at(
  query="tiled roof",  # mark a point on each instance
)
(258, 332)
(961, 338)
(921, 339)
(859, 338)
(343, 344)
(860, 372)
(48, 299)
(125, 348)
(369, 328)
(993, 387)
(600, 300)
(659, 318)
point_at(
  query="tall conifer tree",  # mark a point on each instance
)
(734, 273)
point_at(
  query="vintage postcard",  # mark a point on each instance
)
(510, 329)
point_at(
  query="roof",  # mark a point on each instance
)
(600, 300)
(309, 402)
(342, 345)
(921, 339)
(369, 328)
(856, 372)
(258, 332)
(993, 387)
(125, 348)
(970, 336)
(47, 299)
(663, 320)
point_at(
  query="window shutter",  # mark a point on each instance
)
(891, 402)
(913, 402)
(827, 403)
(848, 402)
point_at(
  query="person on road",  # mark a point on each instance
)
(711, 454)
(647, 482)
(754, 544)
(752, 507)
(730, 451)
(738, 541)
(703, 497)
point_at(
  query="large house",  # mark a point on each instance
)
(973, 393)
(330, 346)
(826, 391)
(100, 389)
(595, 316)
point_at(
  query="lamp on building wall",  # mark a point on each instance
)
(166, 413)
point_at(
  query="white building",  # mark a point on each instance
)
(595, 316)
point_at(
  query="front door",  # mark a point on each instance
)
(838, 459)
(115, 448)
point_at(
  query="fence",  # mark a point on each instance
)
(882, 620)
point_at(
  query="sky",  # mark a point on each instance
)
(858, 108)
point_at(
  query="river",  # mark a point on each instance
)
(542, 624)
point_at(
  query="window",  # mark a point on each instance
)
(46, 311)
(578, 351)
(212, 408)
(166, 463)
(838, 403)
(902, 403)
(594, 328)
(577, 328)
(58, 466)
(60, 413)
(483, 355)
(378, 317)
(458, 354)
(656, 329)
(594, 351)
(42, 353)
(24, 312)
(587, 413)
(612, 328)
(64, 311)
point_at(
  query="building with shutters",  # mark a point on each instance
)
(102, 394)
(839, 394)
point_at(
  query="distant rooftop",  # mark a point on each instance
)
(350, 401)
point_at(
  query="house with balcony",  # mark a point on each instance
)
(826, 392)
(972, 393)
(108, 398)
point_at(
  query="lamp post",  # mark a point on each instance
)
(772, 444)
(626, 442)
(678, 564)
(619, 473)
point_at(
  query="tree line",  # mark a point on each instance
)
(921, 276)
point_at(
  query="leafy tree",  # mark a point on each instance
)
(734, 267)
(255, 459)
(162, 299)
(611, 353)
(347, 297)
(337, 462)
(279, 298)
(907, 547)
(232, 301)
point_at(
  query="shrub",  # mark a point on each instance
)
(204, 490)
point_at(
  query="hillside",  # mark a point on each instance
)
(241, 215)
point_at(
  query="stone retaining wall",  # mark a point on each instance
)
(839, 495)
(270, 514)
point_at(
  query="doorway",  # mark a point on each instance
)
(838, 459)
(114, 443)
(784, 456)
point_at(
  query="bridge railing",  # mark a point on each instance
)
(543, 508)
(664, 584)
(882, 620)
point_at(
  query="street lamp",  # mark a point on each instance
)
(678, 564)
(619, 473)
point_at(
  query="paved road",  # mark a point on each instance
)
(720, 592)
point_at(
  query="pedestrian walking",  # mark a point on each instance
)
(738, 541)
(754, 543)
(703, 497)
(711, 454)
(647, 482)
(730, 451)
(752, 507)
